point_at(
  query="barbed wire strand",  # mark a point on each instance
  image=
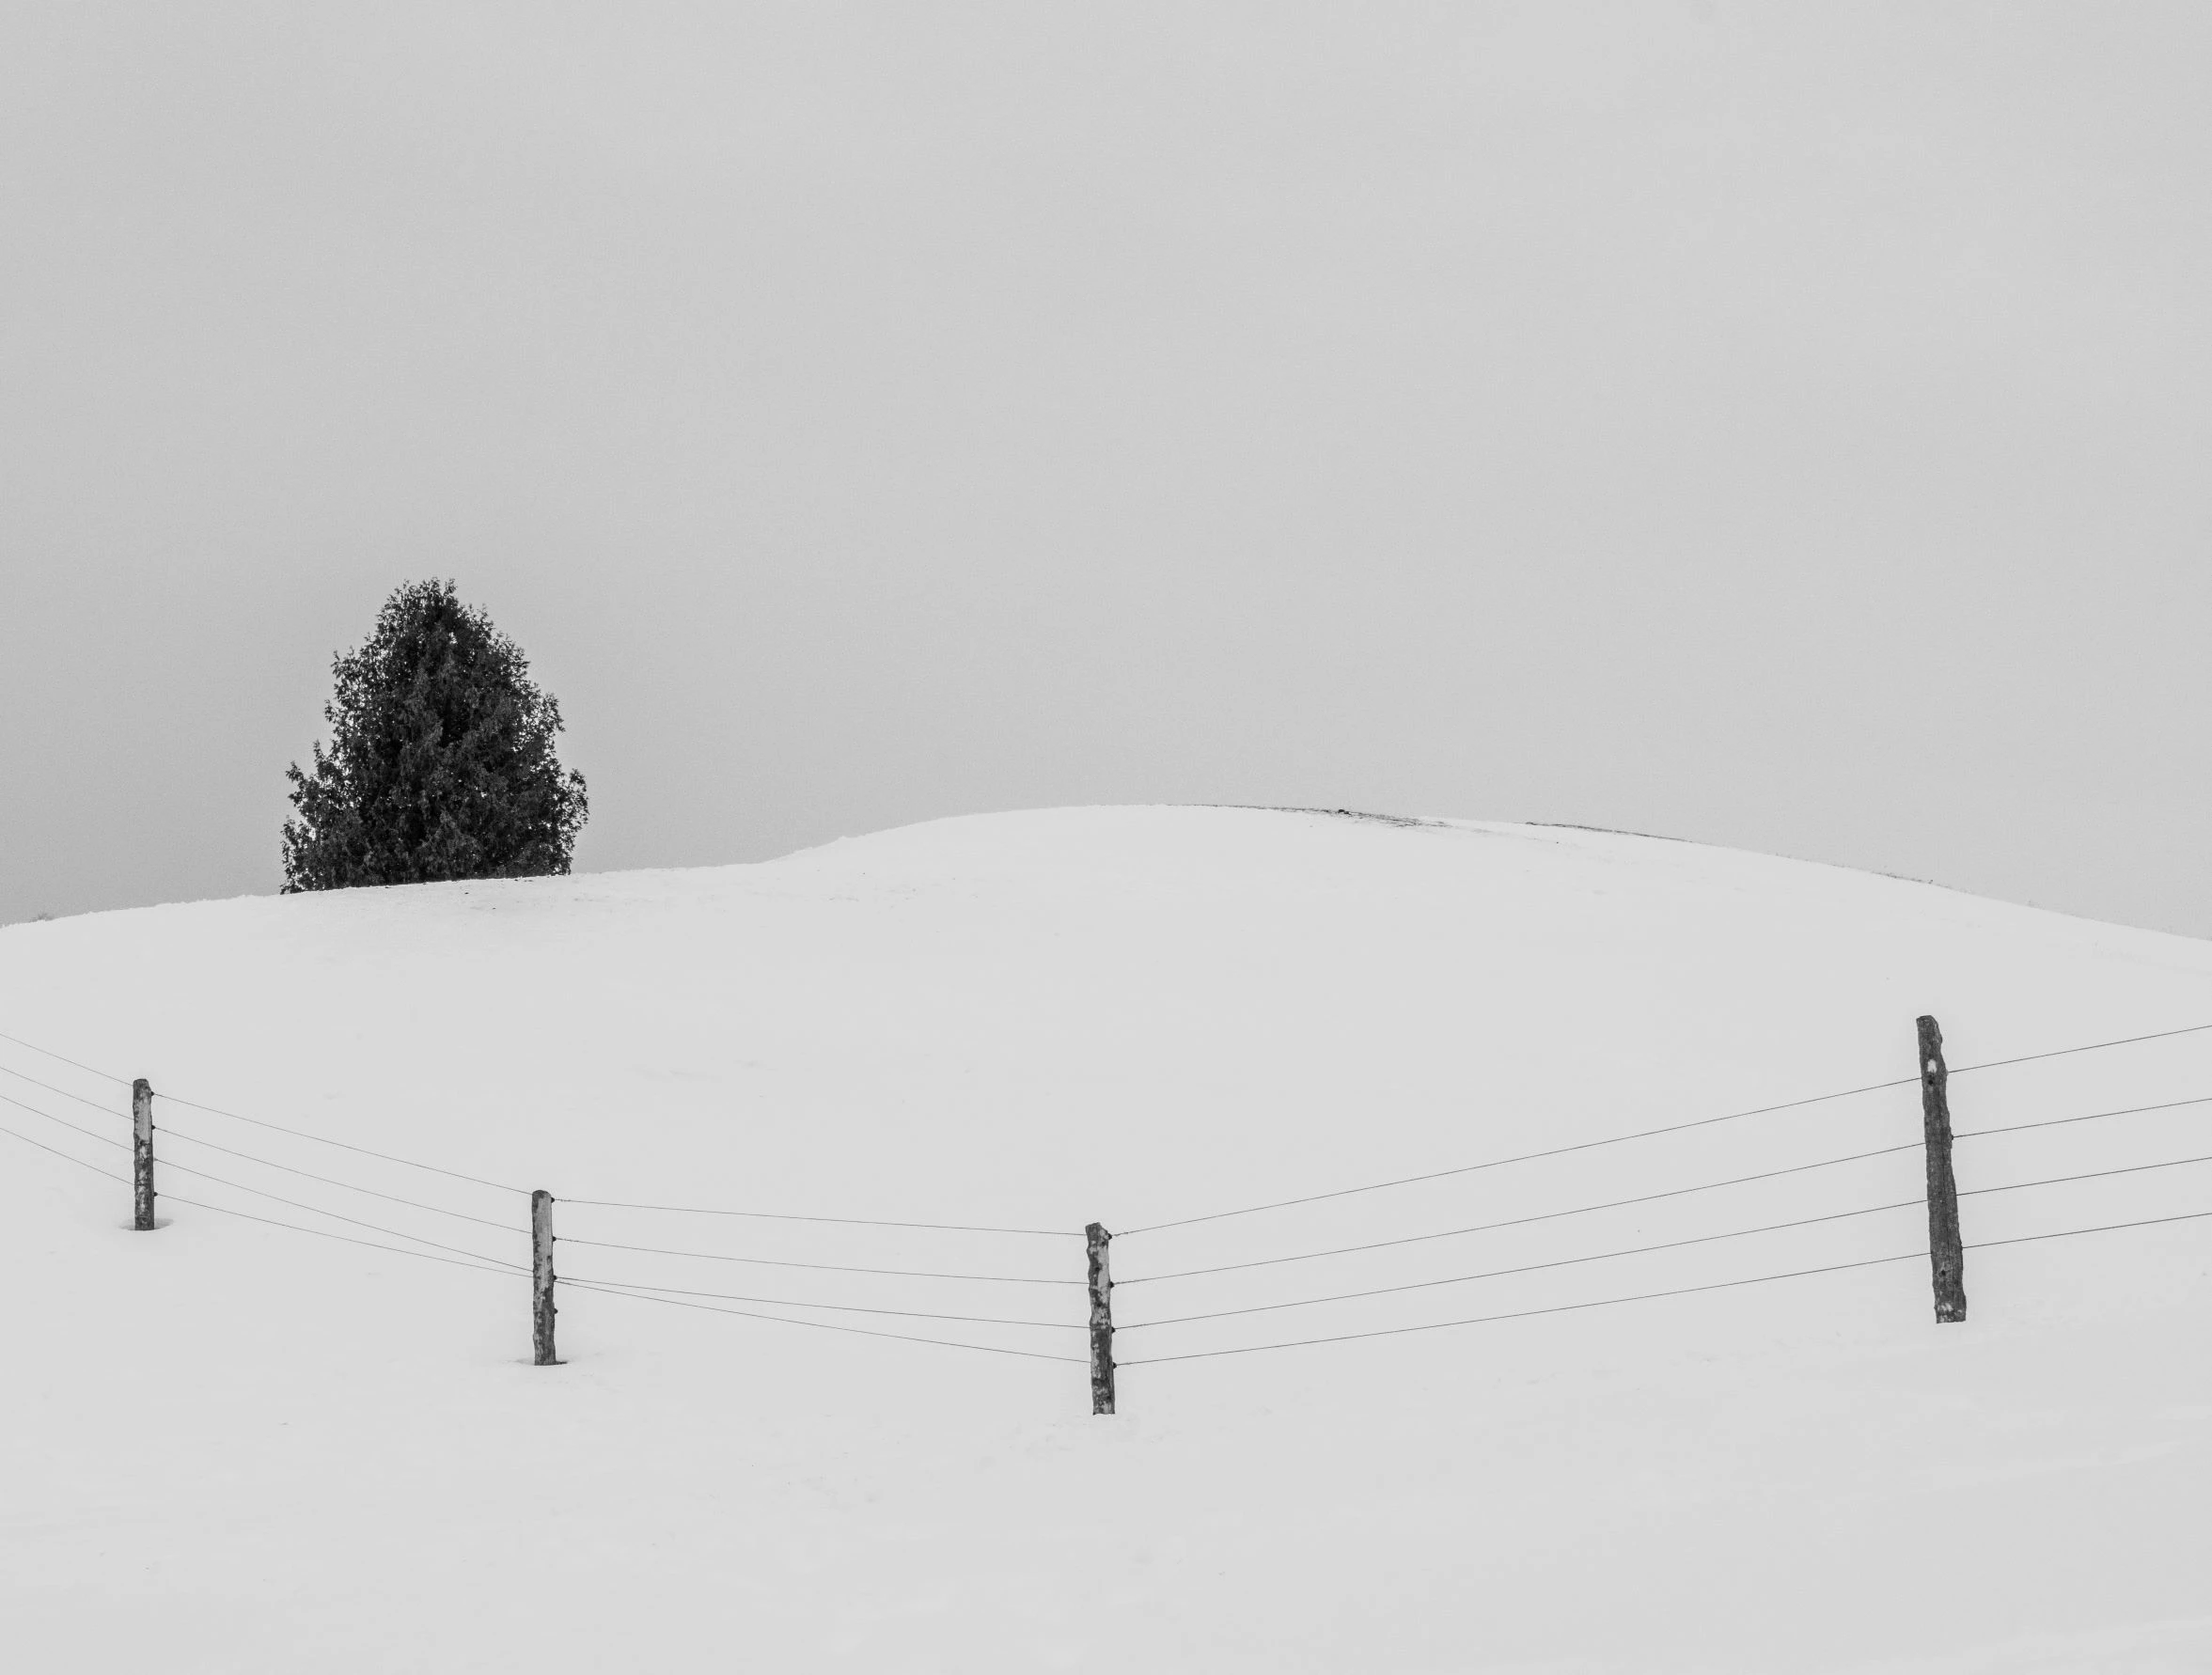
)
(1518, 1221)
(2115, 1227)
(73, 1127)
(1673, 1245)
(988, 1349)
(65, 1157)
(1484, 1320)
(2111, 1226)
(2015, 1128)
(50, 1053)
(508, 1271)
(1499, 1163)
(1603, 1256)
(439, 1209)
(709, 1256)
(484, 1265)
(175, 1134)
(2174, 1163)
(671, 1291)
(178, 1168)
(110, 1110)
(1653, 1132)
(257, 1121)
(341, 1145)
(2125, 1040)
(473, 1180)
(845, 1221)
(1649, 1197)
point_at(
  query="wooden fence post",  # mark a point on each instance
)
(142, 1156)
(1946, 1253)
(542, 1309)
(1102, 1321)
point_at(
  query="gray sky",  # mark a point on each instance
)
(1780, 426)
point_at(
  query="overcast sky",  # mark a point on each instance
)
(1778, 426)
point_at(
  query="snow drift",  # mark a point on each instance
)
(231, 1445)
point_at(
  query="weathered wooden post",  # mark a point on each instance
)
(1946, 1253)
(1102, 1321)
(542, 1309)
(142, 1156)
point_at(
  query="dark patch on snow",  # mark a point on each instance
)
(1382, 820)
(1569, 825)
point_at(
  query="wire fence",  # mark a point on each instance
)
(665, 1272)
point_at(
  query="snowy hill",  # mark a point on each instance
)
(231, 1446)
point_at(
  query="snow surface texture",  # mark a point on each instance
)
(231, 1447)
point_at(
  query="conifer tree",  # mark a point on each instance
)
(441, 763)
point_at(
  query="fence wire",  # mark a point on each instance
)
(1720, 1285)
(717, 1301)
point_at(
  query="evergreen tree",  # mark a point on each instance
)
(441, 763)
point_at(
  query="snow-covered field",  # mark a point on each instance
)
(226, 1446)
